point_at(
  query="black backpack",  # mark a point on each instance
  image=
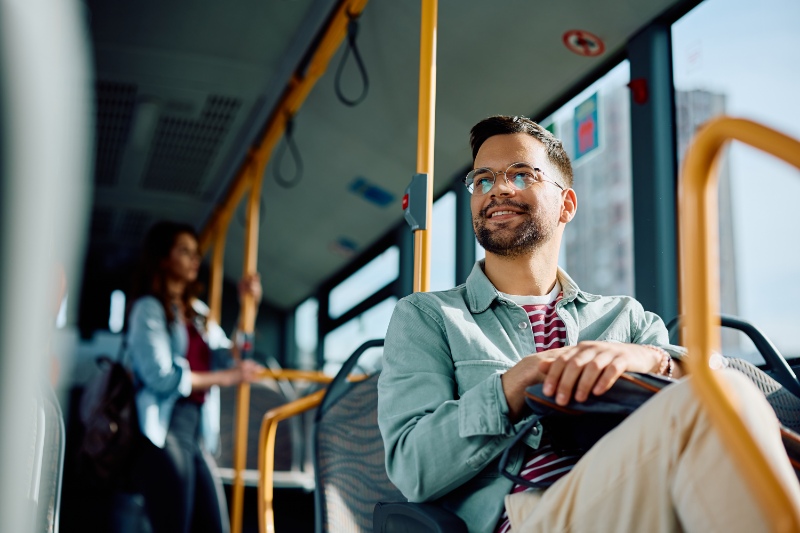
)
(108, 413)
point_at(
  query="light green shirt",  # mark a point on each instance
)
(441, 407)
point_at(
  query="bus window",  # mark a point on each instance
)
(598, 242)
(305, 320)
(344, 340)
(371, 277)
(760, 269)
(443, 243)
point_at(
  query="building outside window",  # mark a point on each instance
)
(597, 251)
(716, 72)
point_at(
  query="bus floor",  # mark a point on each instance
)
(123, 512)
(87, 506)
(294, 510)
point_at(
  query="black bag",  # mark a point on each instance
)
(108, 413)
(577, 426)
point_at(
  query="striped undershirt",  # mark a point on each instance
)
(542, 464)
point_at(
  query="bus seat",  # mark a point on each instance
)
(349, 464)
(47, 461)
(785, 404)
(776, 364)
(349, 461)
(292, 449)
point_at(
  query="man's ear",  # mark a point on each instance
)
(569, 207)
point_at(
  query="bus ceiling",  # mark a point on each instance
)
(183, 97)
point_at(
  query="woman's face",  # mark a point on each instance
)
(184, 259)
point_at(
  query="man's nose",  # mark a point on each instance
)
(501, 186)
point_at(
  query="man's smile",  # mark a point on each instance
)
(504, 211)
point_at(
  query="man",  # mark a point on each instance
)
(456, 364)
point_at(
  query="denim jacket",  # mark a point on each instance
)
(441, 407)
(156, 353)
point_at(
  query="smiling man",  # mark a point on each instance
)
(456, 364)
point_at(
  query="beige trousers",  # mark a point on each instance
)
(663, 469)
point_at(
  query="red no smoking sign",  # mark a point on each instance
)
(583, 43)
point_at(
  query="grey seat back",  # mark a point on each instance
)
(785, 404)
(349, 458)
(47, 461)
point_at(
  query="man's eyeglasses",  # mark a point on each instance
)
(518, 176)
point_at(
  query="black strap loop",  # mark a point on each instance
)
(352, 34)
(503, 464)
(298, 161)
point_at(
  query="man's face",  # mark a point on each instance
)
(510, 222)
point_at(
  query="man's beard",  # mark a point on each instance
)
(526, 237)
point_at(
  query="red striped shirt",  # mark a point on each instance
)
(549, 332)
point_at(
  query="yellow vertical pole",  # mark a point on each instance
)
(426, 128)
(216, 275)
(247, 324)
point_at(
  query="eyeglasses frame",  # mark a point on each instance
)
(536, 170)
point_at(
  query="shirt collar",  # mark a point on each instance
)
(481, 293)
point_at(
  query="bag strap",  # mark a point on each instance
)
(503, 466)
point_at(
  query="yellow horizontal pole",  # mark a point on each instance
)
(307, 375)
(426, 128)
(699, 266)
(294, 95)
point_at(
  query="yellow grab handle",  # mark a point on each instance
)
(699, 269)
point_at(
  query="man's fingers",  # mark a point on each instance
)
(610, 375)
(592, 371)
(573, 369)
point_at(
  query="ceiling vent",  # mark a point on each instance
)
(101, 224)
(115, 104)
(133, 225)
(184, 149)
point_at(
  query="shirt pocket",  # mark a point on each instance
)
(470, 373)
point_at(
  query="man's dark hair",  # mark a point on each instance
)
(503, 125)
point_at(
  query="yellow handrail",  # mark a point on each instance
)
(250, 177)
(216, 274)
(294, 375)
(247, 325)
(269, 428)
(266, 454)
(699, 268)
(426, 127)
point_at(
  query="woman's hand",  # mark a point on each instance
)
(245, 371)
(250, 286)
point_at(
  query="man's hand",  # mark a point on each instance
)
(588, 367)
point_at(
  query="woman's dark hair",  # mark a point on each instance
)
(151, 277)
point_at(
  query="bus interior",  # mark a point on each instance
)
(287, 134)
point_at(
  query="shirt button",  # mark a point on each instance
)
(523, 325)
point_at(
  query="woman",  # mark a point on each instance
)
(174, 354)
